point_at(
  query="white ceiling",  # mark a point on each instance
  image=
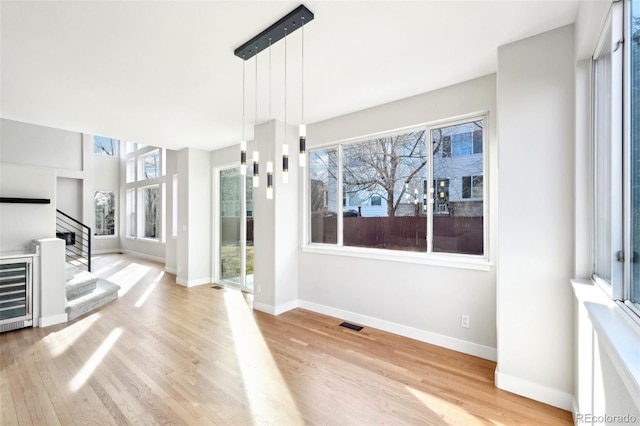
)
(164, 73)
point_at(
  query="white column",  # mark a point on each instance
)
(276, 224)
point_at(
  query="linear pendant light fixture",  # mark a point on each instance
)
(289, 23)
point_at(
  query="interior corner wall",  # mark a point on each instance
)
(424, 302)
(171, 244)
(194, 259)
(535, 98)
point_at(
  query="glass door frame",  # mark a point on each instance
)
(217, 227)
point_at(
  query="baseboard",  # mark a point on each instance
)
(452, 343)
(535, 391)
(141, 255)
(53, 320)
(106, 251)
(171, 271)
(275, 310)
(193, 283)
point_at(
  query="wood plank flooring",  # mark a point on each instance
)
(165, 354)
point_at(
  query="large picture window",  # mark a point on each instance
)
(393, 200)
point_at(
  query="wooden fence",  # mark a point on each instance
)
(454, 234)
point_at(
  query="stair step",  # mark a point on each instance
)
(82, 283)
(69, 271)
(105, 292)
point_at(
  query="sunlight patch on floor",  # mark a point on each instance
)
(451, 413)
(106, 267)
(128, 277)
(58, 342)
(92, 363)
(267, 393)
(149, 290)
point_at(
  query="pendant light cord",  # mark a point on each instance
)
(255, 124)
(302, 61)
(243, 97)
(285, 85)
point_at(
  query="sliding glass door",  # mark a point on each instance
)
(235, 230)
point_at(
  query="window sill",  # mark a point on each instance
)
(105, 237)
(459, 261)
(616, 330)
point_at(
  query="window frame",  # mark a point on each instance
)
(618, 161)
(115, 216)
(456, 260)
(141, 214)
(140, 159)
(104, 154)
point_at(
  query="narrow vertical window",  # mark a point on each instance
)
(607, 155)
(105, 213)
(130, 209)
(458, 205)
(323, 180)
(150, 200)
(634, 142)
(174, 208)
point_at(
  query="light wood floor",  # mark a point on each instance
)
(166, 354)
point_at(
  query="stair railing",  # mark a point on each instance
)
(77, 237)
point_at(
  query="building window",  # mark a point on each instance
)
(150, 209)
(607, 159)
(386, 190)
(323, 180)
(174, 224)
(612, 247)
(104, 204)
(130, 209)
(132, 147)
(131, 170)
(472, 187)
(634, 72)
(104, 146)
(149, 166)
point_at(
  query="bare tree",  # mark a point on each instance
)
(385, 166)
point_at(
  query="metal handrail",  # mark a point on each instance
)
(84, 238)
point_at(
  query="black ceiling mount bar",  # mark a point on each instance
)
(292, 21)
(25, 200)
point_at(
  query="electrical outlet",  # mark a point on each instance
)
(464, 321)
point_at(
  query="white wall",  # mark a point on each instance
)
(422, 301)
(25, 143)
(194, 258)
(22, 223)
(535, 228)
(69, 192)
(171, 244)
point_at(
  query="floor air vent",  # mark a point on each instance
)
(351, 326)
(218, 287)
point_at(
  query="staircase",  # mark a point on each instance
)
(77, 239)
(86, 291)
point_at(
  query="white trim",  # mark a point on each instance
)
(53, 320)
(535, 391)
(194, 283)
(450, 260)
(452, 343)
(172, 271)
(276, 310)
(142, 255)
